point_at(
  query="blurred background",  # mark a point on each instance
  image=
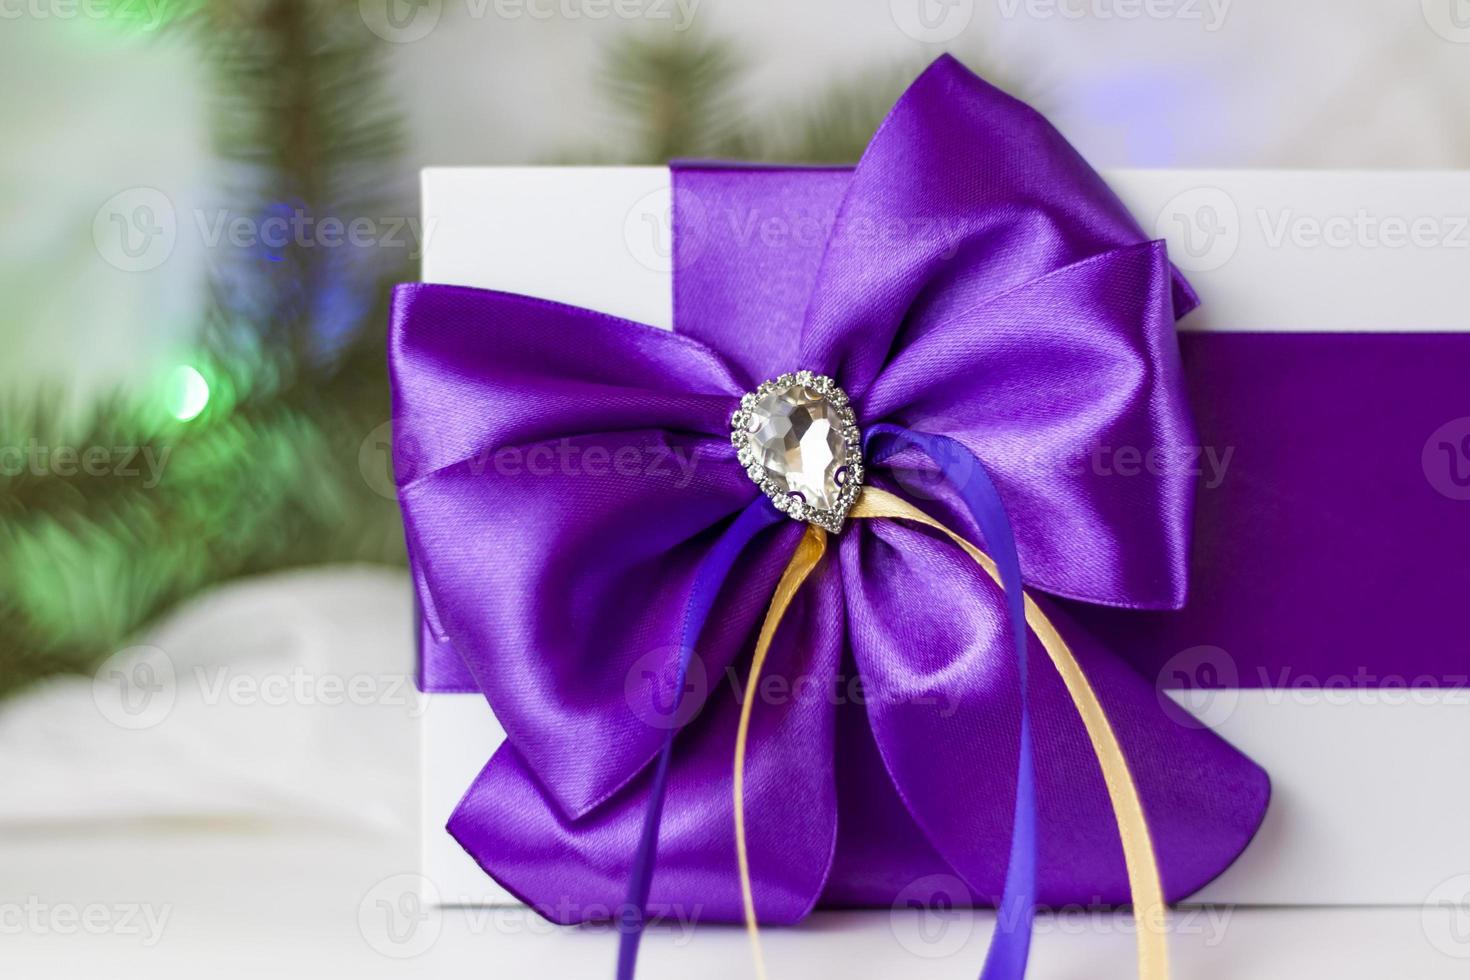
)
(205, 203)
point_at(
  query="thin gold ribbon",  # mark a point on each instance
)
(1149, 911)
(808, 553)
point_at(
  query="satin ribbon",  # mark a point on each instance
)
(1011, 945)
(809, 552)
(710, 576)
(1143, 875)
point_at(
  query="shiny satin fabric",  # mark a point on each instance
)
(562, 472)
(1146, 894)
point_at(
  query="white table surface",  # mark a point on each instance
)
(101, 828)
(303, 903)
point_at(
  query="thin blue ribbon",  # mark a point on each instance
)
(1011, 944)
(709, 577)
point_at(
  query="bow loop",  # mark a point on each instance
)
(967, 193)
(1003, 296)
(576, 870)
(561, 472)
(568, 479)
(479, 377)
(944, 682)
(1069, 388)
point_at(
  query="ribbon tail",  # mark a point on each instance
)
(1010, 947)
(808, 553)
(708, 579)
(1138, 849)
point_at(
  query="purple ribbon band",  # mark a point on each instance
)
(1334, 504)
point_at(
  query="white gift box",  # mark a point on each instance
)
(1369, 789)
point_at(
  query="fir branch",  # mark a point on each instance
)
(268, 477)
(675, 95)
(666, 97)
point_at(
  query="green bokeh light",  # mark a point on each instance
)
(188, 393)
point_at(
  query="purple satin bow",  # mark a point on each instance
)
(563, 472)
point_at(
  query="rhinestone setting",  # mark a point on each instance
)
(798, 439)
